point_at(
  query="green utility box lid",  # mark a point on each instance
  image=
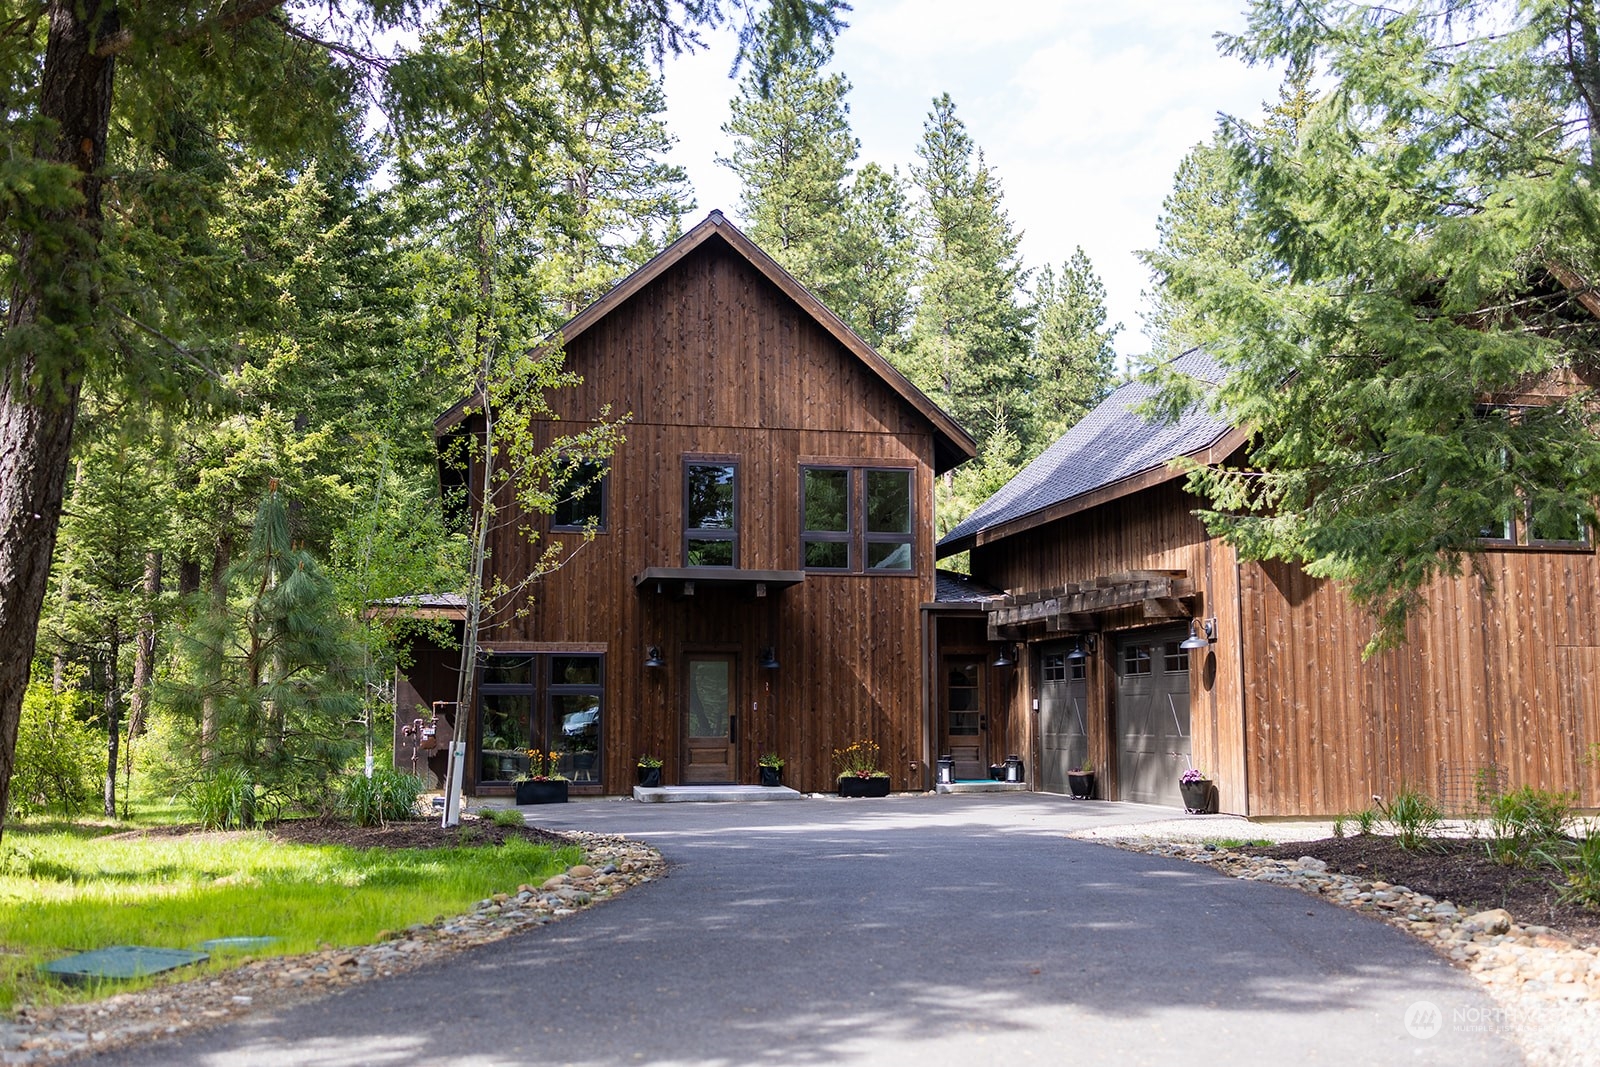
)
(121, 961)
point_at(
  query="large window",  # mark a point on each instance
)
(548, 701)
(580, 496)
(711, 514)
(857, 518)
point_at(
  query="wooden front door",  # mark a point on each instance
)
(709, 721)
(966, 723)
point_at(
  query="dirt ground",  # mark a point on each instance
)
(1457, 870)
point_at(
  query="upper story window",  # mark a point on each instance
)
(857, 518)
(711, 514)
(1539, 523)
(580, 492)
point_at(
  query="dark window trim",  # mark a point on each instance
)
(847, 536)
(731, 534)
(858, 535)
(601, 489)
(541, 691)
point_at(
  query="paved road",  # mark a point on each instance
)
(915, 930)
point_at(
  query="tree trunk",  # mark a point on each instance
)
(53, 305)
(113, 678)
(144, 649)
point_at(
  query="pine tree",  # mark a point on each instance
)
(970, 340)
(1073, 358)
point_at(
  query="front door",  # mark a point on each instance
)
(1063, 716)
(1152, 717)
(709, 722)
(965, 722)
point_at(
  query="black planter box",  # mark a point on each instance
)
(541, 792)
(1082, 784)
(1198, 797)
(650, 777)
(771, 776)
(856, 786)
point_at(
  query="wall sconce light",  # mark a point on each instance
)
(652, 656)
(1005, 658)
(769, 658)
(1202, 634)
(1081, 651)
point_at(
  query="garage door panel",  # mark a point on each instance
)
(1063, 716)
(1152, 714)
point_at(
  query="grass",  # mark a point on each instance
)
(68, 887)
(1238, 842)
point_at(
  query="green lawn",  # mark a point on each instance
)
(69, 887)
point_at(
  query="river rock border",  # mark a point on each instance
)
(1546, 985)
(611, 865)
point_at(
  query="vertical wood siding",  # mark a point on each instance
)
(712, 358)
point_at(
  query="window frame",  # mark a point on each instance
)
(601, 485)
(859, 538)
(702, 534)
(543, 726)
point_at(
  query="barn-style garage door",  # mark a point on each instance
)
(1152, 716)
(1063, 716)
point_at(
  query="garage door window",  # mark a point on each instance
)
(1136, 659)
(1175, 658)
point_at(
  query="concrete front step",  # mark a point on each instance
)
(981, 787)
(712, 794)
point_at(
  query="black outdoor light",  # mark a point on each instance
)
(1004, 658)
(769, 658)
(1202, 632)
(1080, 650)
(652, 656)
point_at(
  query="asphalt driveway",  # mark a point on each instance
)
(914, 930)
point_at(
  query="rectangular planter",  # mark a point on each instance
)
(771, 776)
(854, 786)
(541, 792)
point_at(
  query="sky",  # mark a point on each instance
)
(1084, 110)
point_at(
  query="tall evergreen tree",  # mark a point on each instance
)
(1431, 235)
(969, 344)
(1073, 358)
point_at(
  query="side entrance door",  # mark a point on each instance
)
(1152, 717)
(709, 723)
(1063, 716)
(966, 723)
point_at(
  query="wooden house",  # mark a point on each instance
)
(764, 539)
(1107, 573)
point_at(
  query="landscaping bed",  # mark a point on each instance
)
(1459, 870)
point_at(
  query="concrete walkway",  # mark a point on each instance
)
(920, 930)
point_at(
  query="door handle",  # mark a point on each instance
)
(733, 729)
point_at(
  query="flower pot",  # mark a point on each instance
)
(1197, 797)
(650, 777)
(1082, 784)
(771, 776)
(541, 792)
(856, 786)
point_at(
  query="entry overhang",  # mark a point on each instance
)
(1075, 607)
(686, 581)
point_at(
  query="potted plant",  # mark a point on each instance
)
(543, 782)
(650, 771)
(1081, 781)
(1196, 790)
(857, 768)
(771, 766)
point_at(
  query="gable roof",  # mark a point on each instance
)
(952, 444)
(1111, 452)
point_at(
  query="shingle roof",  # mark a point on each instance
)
(1111, 443)
(951, 587)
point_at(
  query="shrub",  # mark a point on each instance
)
(388, 796)
(58, 756)
(1526, 821)
(1366, 821)
(1413, 818)
(225, 799)
(1581, 868)
(506, 817)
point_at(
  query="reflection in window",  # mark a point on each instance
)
(544, 701)
(1053, 665)
(888, 522)
(1136, 659)
(825, 518)
(710, 515)
(580, 496)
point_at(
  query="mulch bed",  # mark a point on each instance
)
(1456, 870)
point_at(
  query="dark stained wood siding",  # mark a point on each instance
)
(1501, 668)
(711, 358)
